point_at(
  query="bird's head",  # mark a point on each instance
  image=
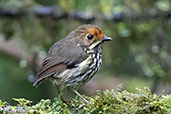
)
(90, 35)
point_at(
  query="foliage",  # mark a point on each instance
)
(115, 101)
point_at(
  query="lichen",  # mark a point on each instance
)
(115, 101)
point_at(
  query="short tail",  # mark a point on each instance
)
(37, 82)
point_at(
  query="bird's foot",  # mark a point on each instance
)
(80, 96)
(61, 98)
(65, 101)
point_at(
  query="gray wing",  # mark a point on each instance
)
(62, 55)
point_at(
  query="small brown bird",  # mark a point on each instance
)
(72, 61)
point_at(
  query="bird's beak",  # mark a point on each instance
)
(106, 38)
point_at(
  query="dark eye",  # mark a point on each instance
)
(90, 37)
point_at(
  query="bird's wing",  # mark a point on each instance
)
(62, 55)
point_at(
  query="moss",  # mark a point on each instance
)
(115, 101)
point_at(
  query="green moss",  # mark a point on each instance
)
(115, 101)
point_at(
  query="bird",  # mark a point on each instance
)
(74, 60)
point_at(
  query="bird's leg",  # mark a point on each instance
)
(76, 92)
(60, 96)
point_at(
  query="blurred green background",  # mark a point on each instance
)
(139, 54)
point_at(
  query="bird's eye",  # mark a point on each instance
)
(90, 37)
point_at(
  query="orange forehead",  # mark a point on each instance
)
(97, 33)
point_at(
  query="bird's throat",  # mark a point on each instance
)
(93, 45)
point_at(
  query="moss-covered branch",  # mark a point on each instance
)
(115, 101)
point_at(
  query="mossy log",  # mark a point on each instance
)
(115, 101)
